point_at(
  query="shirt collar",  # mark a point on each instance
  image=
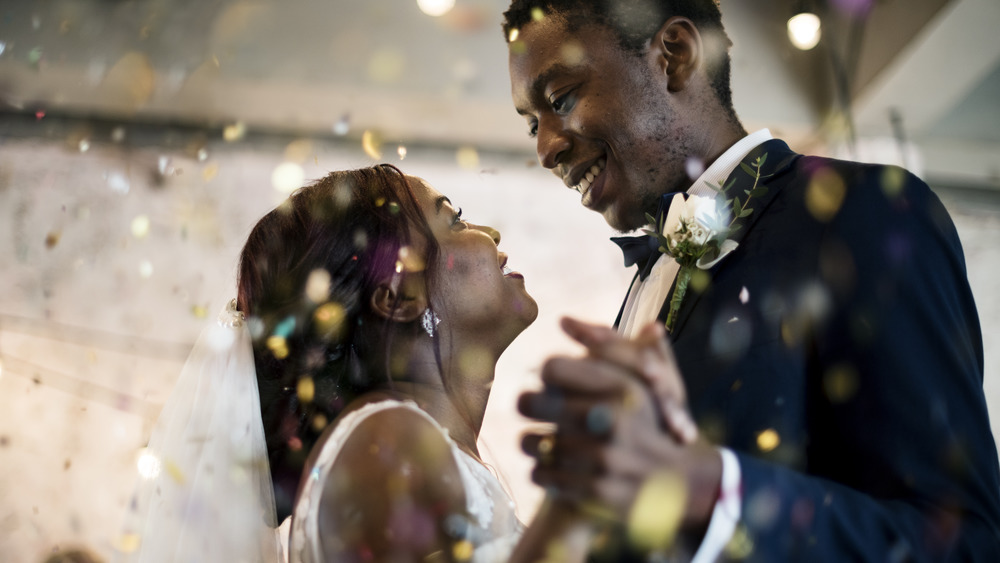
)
(723, 166)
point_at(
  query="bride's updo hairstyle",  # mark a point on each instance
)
(306, 279)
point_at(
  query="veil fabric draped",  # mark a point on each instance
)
(207, 494)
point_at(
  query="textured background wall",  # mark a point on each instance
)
(98, 307)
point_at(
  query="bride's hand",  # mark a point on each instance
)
(648, 356)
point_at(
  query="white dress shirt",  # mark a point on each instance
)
(642, 306)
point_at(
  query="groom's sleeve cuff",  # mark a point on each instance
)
(726, 513)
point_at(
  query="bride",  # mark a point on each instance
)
(373, 316)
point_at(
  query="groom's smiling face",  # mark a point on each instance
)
(603, 119)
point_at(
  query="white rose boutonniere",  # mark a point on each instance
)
(696, 231)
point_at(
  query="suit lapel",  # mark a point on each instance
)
(778, 161)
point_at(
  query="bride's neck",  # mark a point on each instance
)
(454, 393)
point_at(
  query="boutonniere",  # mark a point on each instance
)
(696, 230)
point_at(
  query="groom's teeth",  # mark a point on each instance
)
(588, 178)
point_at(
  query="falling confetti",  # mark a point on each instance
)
(128, 543)
(118, 134)
(145, 269)
(342, 126)
(306, 389)
(401, 151)
(825, 194)
(435, 7)
(3, 47)
(467, 158)
(537, 14)
(744, 295)
(329, 318)
(278, 346)
(768, 439)
(318, 285)
(117, 181)
(287, 177)
(371, 142)
(694, 167)
(140, 226)
(199, 311)
(52, 239)
(840, 383)
(202, 154)
(147, 464)
(210, 171)
(386, 66)
(514, 34)
(234, 132)
(298, 151)
(84, 145)
(657, 512)
(39, 115)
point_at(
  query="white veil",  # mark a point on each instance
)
(208, 494)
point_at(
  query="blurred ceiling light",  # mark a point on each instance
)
(804, 30)
(435, 7)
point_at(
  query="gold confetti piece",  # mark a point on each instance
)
(199, 311)
(467, 158)
(840, 383)
(52, 239)
(657, 511)
(371, 142)
(140, 226)
(319, 422)
(298, 151)
(278, 346)
(306, 389)
(386, 66)
(329, 318)
(412, 262)
(234, 132)
(514, 33)
(462, 550)
(893, 179)
(768, 439)
(287, 177)
(825, 194)
(537, 14)
(572, 53)
(175, 472)
(130, 82)
(127, 543)
(210, 171)
(318, 285)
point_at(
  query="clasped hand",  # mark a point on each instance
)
(620, 419)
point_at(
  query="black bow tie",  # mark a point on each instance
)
(644, 250)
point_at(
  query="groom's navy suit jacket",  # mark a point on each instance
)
(838, 353)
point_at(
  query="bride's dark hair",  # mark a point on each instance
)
(315, 350)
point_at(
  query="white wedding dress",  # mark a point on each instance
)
(495, 527)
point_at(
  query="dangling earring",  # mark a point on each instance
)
(429, 321)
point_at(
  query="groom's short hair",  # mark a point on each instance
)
(635, 22)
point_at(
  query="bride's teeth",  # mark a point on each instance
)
(507, 270)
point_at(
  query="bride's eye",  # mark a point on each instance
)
(457, 221)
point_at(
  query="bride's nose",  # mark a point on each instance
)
(494, 234)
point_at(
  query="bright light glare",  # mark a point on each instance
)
(435, 7)
(147, 464)
(804, 30)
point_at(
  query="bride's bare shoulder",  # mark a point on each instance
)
(392, 487)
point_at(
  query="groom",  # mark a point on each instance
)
(832, 362)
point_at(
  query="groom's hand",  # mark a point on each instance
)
(620, 418)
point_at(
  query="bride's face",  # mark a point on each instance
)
(471, 291)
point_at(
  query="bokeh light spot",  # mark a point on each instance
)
(435, 7)
(825, 194)
(657, 511)
(140, 226)
(467, 158)
(768, 440)
(840, 383)
(306, 389)
(147, 464)
(371, 142)
(318, 285)
(287, 177)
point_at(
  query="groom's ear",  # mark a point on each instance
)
(679, 51)
(402, 300)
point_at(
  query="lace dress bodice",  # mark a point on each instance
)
(493, 528)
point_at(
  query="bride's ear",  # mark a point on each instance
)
(400, 302)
